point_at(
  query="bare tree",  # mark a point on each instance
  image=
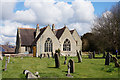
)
(106, 30)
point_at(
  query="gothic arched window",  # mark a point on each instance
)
(67, 45)
(48, 45)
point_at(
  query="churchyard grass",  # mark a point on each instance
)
(88, 68)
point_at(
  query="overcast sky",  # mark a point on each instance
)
(76, 14)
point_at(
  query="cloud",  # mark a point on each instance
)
(6, 8)
(79, 15)
(9, 30)
(27, 16)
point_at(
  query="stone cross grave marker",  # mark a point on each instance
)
(57, 61)
(107, 59)
(72, 66)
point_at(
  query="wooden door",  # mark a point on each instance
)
(34, 51)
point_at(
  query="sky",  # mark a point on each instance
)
(75, 14)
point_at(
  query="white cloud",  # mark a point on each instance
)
(78, 15)
(27, 16)
(6, 8)
(9, 30)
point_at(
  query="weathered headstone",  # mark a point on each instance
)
(107, 59)
(115, 59)
(30, 75)
(90, 56)
(68, 74)
(116, 62)
(48, 55)
(25, 71)
(65, 60)
(103, 54)
(52, 54)
(93, 54)
(111, 58)
(9, 59)
(37, 74)
(1, 57)
(72, 66)
(78, 55)
(44, 55)
(40, 56)
(80, 52)
(57, 61)
(5, 65)
(66, 57)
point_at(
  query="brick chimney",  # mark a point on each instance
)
(37, 30)
(53, 28)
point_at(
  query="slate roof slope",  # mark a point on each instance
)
(59, 32)
(71, 31)
(27, 36)
(41, 32)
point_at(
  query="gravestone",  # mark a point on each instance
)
(90, 56)
(48, 55)
(40, 56)
(44, 55)
(65, 60)
(9, 59)
(37, 74)
(115, 60)
(52, 54)
(111, 58)
(30, 75)
(93, 54)
(103, 54)
(1, 57)
(25, 71)
(68, 74)
(57, 61)
(78, 55)
(80, 52)
(5, 65)
(117, 64)
(72, 66)
(107, 59)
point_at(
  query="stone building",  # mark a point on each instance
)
(47, 40)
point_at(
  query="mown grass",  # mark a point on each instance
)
(89, 68)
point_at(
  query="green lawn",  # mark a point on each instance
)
(89, 68)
